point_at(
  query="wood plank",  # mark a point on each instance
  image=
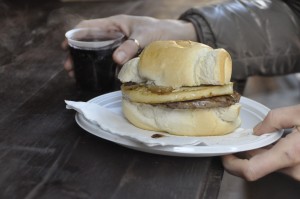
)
(53, 156)
(44, 153)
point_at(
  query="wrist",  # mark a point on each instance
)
(180, 30)
(189, 30)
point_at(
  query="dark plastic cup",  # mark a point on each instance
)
(91, 51)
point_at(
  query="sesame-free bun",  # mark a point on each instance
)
(169, 87)
(183, 122)
(179, 63)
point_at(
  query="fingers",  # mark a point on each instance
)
(64, 45)
(125, 52)
(235, 165)
(254, 168)
(277, 119)
(241, 165)
(122, 54)
(68, 65)
(284, 156)
(293, 140)
(249, 154)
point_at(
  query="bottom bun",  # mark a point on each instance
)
(184, 122)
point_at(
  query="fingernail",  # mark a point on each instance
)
(121, 56)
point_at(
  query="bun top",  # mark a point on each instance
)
(179, 63)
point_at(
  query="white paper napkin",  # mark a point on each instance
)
(114, 122)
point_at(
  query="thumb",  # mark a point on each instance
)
(126, 51)
(278, 119)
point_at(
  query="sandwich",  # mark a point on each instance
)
(181, 88)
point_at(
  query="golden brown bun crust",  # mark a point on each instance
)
(179, 63)
(185, 122)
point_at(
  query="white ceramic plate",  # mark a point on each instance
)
(251, 113)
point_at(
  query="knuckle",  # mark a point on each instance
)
(250, 174)
(120, 17)
(83, 23)
(271, 116)
(293, 154)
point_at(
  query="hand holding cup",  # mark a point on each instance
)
(91, 50)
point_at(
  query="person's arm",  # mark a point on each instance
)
(283, 157)
(294, 5)
(263, 37)
(143, 29)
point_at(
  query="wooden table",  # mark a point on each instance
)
(43, 152)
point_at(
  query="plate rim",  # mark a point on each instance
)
(182, 151)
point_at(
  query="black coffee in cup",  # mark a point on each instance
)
(91, 51)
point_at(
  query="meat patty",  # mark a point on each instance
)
(211, 102)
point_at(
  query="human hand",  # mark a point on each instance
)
(283, 156)
(144, 29)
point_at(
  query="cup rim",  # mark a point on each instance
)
(92, 44)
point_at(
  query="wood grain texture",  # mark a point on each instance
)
(44, 153)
